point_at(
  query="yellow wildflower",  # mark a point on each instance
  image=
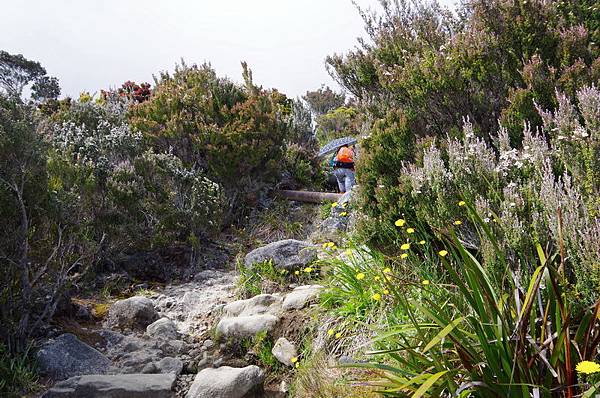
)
(587, 367)
(348, 252)
(377, 278)
(461, 203)
(385, 291)
(410, 230)
(457, 222)
(405, 246)
(294, 359)
(387, 271)
(344, 204)
(343, 214)
(297, 273)
(360, 276)
(404, 255)
(297, 364)
(338, 335)
(425, 282)
(400, 222)
(334, 204)
(308, 270)
(421, 242)
(443, 253)
(330, 332)
(377, 297)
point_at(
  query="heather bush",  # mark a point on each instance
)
(544, 191)
(236, 134)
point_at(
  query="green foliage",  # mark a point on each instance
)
(526, 336)
(262, 345)
(117, 187)
(16, 72)
(237, 135)
(18, 374)
(339, 122)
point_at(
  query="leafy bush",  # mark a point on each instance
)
(120, 188)
(236, 134)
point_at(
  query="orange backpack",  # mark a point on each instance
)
(345, 155)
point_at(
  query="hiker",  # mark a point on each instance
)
(343, 168)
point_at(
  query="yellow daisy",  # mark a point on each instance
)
(443, 253)
(360, 276)
(404, 255)
(410, 230)
(461, 203)
(587, 367)
(377, 297)
(400, 222)
(405, 246)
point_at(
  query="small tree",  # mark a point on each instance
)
(323, 100)
(16, 72)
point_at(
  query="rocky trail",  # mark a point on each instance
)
(187, 340)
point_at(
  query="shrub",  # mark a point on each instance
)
(236, 134)
(117, 187)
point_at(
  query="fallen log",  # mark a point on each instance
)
(309, 196)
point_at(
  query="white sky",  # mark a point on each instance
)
(94, 44)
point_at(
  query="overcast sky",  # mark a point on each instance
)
(94, 44)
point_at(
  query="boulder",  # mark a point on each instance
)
(284, 351)
(227, 382)
(115, 386)
(133, 313)
(301, 296)
(164, 328)
(285, 254)
(246, 326)
(67, 356)
(260, 304)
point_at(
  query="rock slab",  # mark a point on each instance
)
(67, 356)
(301, 296)
(285, 254)
(227, 382)
(246, 326)
(115, 386)
(133, 313)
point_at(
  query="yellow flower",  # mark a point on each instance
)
(344, 204)
(404, 255)
(461, 203)
(410, 230)
(421, 242)
(387, 271)
(405, 246)
(377, 278)
(343, 214)
(425, 282)
(443, 253)
(334, 204)
(457, 222)
(325, 245)
(348, 252)
(330, 332)
(400, 222)
(385, 291)
(338, 335)
(294, 359)
(376, 297)
(308, 270)
(297, 365)
(587, 367)
(360, 276)
(297, 273)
